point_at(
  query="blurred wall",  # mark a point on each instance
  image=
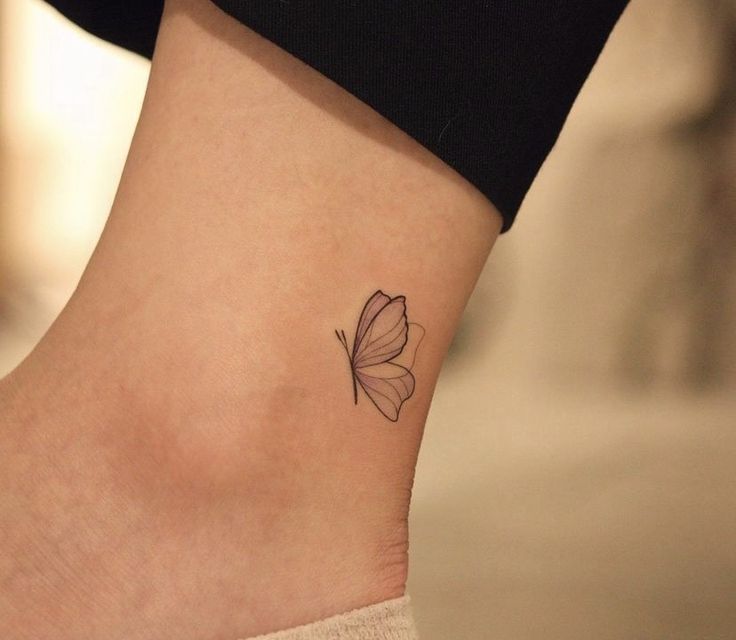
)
(68, 108)
(576, 477)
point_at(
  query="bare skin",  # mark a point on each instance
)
(181, 455)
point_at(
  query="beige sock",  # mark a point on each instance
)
(388, 620)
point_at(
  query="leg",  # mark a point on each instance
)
(182, 455)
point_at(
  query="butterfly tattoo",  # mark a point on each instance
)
(383, 353)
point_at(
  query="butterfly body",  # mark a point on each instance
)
(380, 338)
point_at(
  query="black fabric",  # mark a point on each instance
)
(132, 24)
(485, 85)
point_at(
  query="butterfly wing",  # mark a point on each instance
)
(382, 330)
(415, 335)
(381, 336)
(388, 385)
(371, 309)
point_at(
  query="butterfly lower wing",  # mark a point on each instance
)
(388, 386)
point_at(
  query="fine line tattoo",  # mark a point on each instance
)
(383, 353)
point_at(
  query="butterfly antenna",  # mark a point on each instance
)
(343, 342)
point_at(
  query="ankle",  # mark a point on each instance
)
(272, 540)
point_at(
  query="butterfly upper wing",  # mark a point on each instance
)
(388, 385)
(371, 309)
(382, 331)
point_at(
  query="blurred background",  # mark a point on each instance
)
(578, 473)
